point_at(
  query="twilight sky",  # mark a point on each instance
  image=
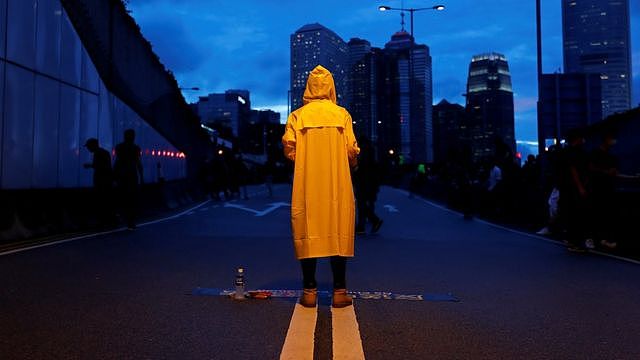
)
(218, 45)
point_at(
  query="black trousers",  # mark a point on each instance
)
(574, 213)
(338, 268)
(366, 211)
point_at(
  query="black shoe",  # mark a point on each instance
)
(376, 226)
(360, 231)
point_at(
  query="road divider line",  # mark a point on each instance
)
(298, 345)
(87, 236)
(347, 343)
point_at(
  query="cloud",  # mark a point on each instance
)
(217, 45)
(178, 52)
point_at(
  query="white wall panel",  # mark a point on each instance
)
(21, 32)
(48, 37)
(90, 78)
(46, 133)
(2, 115)
(70, 53)
(69, 143)
(17, 150)
(88, 129)
(105, 120)
(3, 26)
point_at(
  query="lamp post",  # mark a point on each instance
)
(195, 88)
(402, 10)
(411, 11)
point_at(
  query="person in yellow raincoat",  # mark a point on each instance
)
(319, 139)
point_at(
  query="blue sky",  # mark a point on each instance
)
(218, 45)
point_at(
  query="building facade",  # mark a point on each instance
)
(312, 45)
(404, 97)
(361, 96)
(449, 129)
(596, 39)
(231, 110)
(52, 100)
(489, 105)
(567, 101)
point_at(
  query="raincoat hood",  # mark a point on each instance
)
(320, 86)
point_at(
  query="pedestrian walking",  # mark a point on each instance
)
(102, 181)
(128, 175)
(366, 183)
(573, 200)
(603, 170)
(319, 139)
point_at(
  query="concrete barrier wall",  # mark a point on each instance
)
(52, 99)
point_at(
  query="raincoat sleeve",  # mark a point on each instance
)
(289, 140)
(352, 145)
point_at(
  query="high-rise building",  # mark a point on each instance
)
(489, 105)
(231, 109)
(596, 39)
(312, 45)
(449, 129)
(567, 101)
(361, 97)
(405, 98)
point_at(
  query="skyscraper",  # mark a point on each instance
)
(231, 109)
(490, 105)
(361, 97)
(449, 129)
(596, 39)
(405, 98)
(312, 45)
(567, 101)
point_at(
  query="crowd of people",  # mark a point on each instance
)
(225, 176)
(571, 190)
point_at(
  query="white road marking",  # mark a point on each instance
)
(391, 208)
(104, 232)
(264, 212)
(298, 345)
(347, 343)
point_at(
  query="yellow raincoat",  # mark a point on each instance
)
(319, 139)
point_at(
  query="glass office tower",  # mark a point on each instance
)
(596, 39)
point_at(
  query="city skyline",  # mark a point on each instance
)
(248, 49)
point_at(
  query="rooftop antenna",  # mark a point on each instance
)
(402, 15)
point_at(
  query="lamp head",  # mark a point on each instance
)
(439, 7)
(383, 8)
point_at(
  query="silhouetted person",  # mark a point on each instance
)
(603, 168)
(240, 176)
(128, 174)
(459, 170)
(573, 191)
(269, 170)
(102, 180)
(366, 182)
(495, 188)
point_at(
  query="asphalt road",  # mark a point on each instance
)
(128, 295)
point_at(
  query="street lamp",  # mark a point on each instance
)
(189, 88)
(411, 11)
